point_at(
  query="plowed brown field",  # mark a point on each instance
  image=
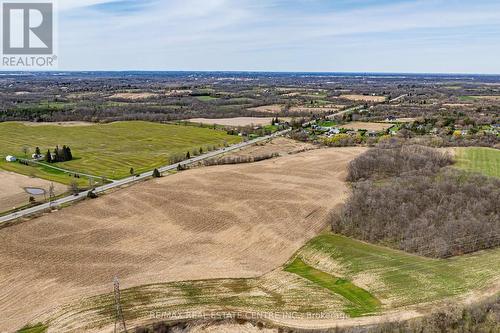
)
(219, 222)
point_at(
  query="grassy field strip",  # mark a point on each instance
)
(37, 328)
(110, 150)
(43, 173)
(53, 167)
(362, 302)
(483, 160)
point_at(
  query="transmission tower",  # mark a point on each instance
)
(119, 320)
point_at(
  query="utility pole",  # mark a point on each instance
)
(51, 194)
(119, 320)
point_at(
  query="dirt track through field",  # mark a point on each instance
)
(218, 222)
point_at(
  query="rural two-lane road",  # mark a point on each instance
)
(142, 176)
(130, 180)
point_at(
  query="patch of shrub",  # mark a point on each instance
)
(91, 195)
(239, 159)
(156, 173)
(343, 140)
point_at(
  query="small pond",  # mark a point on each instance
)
(34, 190)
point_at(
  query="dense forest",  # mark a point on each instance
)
(403, 197)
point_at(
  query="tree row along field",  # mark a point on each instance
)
(107, 150)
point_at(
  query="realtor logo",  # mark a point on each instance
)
(28, 28)
(28, 34)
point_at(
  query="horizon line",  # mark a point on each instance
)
(244, 71)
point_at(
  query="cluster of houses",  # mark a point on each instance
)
(495, 129)
(458, 130)
(329, 131)
(10, 158)
(332, 131)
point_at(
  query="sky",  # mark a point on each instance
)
(409, 36)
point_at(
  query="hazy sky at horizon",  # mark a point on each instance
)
(446, 36)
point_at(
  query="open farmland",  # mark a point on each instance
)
(493, 98)
(358, 125)
(223, 222)
(318, 108)
(110, 150)
(237, 122)
(133, 96)
(351, 281)
(328, 108)
(364, 98)
(279, 146)
(253, 235)
(12, 190)
(483, 160)
(272, 109)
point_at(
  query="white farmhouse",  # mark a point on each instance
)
(10, 158)
(334, 130)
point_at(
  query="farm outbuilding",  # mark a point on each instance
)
(10, 158)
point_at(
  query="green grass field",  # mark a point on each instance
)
(361, 301)
(44, 173)
(467, 98)
(399, 278)
(108, 150)
(483, 160)
(327, 123)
